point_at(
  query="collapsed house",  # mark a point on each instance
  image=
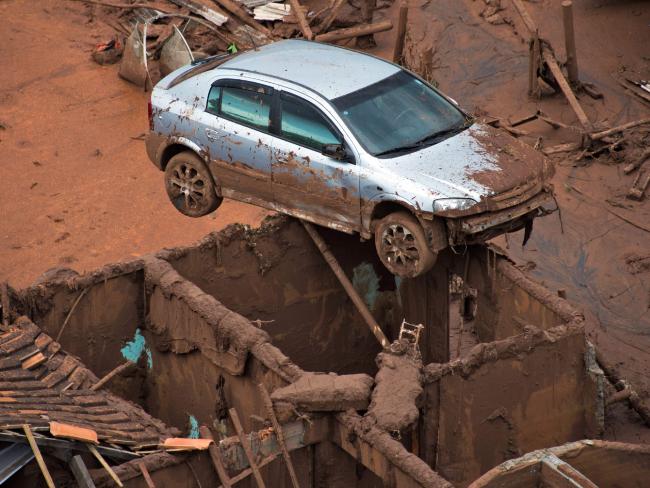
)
(249, 334)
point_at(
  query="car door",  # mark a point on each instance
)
(236, 131)
(305, 180)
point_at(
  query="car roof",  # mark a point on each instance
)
(329, 70)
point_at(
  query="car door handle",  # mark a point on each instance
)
(211, 134)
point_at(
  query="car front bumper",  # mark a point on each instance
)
(477, 228)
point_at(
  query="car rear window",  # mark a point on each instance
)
(246, 103)
(303, 124)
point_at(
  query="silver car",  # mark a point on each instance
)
(345, 140)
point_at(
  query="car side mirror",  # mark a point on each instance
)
(338, 152)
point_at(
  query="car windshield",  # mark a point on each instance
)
(399, 114)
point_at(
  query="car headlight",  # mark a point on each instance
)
(446, 204)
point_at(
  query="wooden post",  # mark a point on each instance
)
(347, 285)
(268, 404)
(215, 455)
(38, 456)
(80, 472)
(533, 67)
(570, 42)
(247, 448)
(401, 33)
(356, 31)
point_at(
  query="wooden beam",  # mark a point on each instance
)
(347, 285)
(104, 464)
(112, 374)
(234, 417)
(4, 301)
(38, 456)
(402, 22)
(268, 405)
(299, 13)
(356, 31)
(80, 472)
(525, 16)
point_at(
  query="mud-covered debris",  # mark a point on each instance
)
(326, 392)
(108, 52)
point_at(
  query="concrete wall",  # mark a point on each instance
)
(506, 398)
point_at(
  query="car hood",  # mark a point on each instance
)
(476, 163)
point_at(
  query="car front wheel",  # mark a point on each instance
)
(402, 245)
(190, 186)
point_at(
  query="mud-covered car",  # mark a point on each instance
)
(344, 140)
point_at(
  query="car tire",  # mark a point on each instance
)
(190, 186)
(402, 245)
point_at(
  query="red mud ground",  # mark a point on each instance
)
(63, 204)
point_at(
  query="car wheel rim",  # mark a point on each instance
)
(188, 186)
(399, 247)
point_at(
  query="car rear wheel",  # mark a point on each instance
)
(190, 186)
(402, 245)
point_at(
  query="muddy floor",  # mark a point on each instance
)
(79, 190)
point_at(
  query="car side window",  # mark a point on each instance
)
(248, 104)
(305, 125)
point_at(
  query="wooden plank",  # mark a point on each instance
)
(215, 455)
(356, 31)
(146, 475)
(268, 405)
(80, 472)
(298, 11)
(234, 417)
(619, 128)
(248, 471)
(4, 299)
(34, 361)
(242, 15)
(67, 431)
(555, 473)
(104, 464)
(38, 456)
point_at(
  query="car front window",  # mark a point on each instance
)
(303, 124)
(399, 114)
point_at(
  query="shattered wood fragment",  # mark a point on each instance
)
(637, 191)
(638, 163)
(211, 15)
(67, 431)
(356, 31)
(34, 361)
(145, 474)
(235, 9)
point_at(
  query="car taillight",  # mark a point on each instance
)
(150, 113)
